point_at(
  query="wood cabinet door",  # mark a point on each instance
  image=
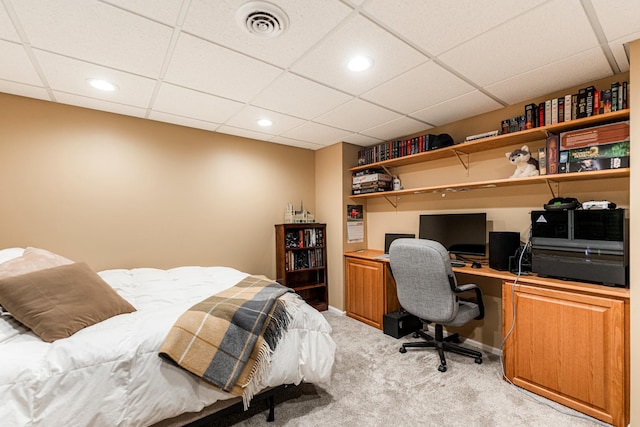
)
(364, 283)
(568, 347)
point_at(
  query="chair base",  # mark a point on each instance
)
(442, 344)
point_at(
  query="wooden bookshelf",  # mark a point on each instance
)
(301, 261)
(506, 140)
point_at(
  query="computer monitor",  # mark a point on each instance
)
(390, 237)
(460, 233)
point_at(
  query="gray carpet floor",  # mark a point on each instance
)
(373, 384)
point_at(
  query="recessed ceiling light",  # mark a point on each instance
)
(265, 122)
(103, 85)
(360, 63)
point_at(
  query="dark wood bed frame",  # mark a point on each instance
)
(223, 408)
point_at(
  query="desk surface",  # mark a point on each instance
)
(531, 279)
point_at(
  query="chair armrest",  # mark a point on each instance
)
(468, 287)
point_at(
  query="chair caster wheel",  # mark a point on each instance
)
(415, 335)
(403, 350)
(442, 368)
(478, 360)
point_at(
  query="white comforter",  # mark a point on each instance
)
(110, 374)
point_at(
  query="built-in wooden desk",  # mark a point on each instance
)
(370, 287)
(569, 341)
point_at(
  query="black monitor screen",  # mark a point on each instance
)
(464, 234)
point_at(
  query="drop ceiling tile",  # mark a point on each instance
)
(165, 11)
(7, 30)
(458, 108)
(620, 53)
(618, 18)
(356, 115)
(363, 140)
(16, 65)
(247, 118)
(299, 97)
(98, 104)
(96, 32)
(204, 66)
(183, 121)
(439, 26)
(69, 75)
(327, 61)
(196, 105)
(317, 134)
(296, 143)
(309, 20)
(245, 133)
(523, 44)
(425, 85)
(584, 67)
(396, 129)
(24, 90)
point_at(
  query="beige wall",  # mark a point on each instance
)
(121, 192)
(635, 231)
(329, 173)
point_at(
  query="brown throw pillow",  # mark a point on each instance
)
(57, 302)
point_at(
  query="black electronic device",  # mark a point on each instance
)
(400, 323)
(476, 264)
(586, 245)
(440, 141)
(562, 203)
(520, 263)
(502, 245)
(459, 233)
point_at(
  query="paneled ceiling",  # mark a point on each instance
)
(194, 62)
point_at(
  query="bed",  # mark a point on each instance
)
(110, 373)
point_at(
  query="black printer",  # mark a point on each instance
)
(585, 245)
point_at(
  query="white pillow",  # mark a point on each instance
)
(10, 253)
(9, 327)
(6, 255)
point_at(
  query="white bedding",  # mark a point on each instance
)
(110, 374)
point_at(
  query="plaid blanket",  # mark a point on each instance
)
(228, 338)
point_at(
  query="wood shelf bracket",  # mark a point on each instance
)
(464, 159)
(395, 205)
(554, 187)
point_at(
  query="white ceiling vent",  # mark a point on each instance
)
(262, 19)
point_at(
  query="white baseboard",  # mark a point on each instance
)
(337, 311)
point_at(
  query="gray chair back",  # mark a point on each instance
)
(424, 279)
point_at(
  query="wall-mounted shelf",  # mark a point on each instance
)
(548, 179)
(485, 144)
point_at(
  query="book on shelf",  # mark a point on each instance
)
(541, 113)
(529, 113)
(547, 112)
(581, 110)
(590, 98)
(595, 164)
(567, 108)
(552, 154)
(554, 111)
(614, 96)
(595, 135)
(482, 135)
(371, 177)
(561, 110)
(616, 149)
(542, 160)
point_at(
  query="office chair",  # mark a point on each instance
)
(427, 288)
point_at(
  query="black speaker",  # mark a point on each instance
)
(400, 323)
(502, 245)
